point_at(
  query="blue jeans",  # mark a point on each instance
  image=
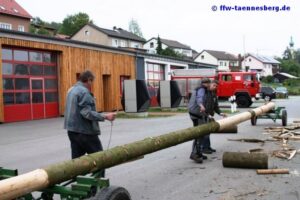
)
(203, 142)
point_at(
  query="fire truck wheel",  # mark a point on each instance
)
(112, 193)
(243, 101)
(284, 117)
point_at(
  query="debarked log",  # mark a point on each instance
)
(245, 160)
(272, 171)
(229, 129)
(42, 178)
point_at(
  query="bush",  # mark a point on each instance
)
(268, 79)
(291, 82)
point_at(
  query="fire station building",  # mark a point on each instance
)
(37, 71)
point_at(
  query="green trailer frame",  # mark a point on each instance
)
(274, 114)
(91, 187)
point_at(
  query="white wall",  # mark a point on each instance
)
(185, 52)
(255, 65)
(150, 49)
(205, 57)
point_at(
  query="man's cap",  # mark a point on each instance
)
(205, 80)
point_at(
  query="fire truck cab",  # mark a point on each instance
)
(244, 85)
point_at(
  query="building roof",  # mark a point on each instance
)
(264, 59)
(287, 75)
(76, 43)
(11, 7)
(175, 44)
(221, 55)
(172, 43)
(118, 33)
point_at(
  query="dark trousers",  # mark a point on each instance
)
(83, 143)
(202, 142)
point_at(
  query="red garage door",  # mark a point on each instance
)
(29, 84)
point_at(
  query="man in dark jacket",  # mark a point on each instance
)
(211, 107)
(198, 116)
(81, 118)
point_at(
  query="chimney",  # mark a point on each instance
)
(114, 28)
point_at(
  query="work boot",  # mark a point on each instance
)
(196, 158)
(202, 156)
(207, 151)
(213, 150)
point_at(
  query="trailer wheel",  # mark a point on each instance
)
(253, 120)
(284, 117)
(243, 101)
(112, 193)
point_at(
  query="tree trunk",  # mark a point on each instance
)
(245, 160)
(57, 173)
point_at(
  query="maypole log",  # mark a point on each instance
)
(42, 178)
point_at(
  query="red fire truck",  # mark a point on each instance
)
(244, 85)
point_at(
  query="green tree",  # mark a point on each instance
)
(135, 28)
(72, 23)
(159, 46)
(170, 52)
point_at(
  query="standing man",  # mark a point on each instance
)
(211, 107)
(81, 118)
(198, 116)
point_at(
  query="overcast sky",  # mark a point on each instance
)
(191, 22)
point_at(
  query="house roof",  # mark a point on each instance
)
(175, 44)
(172, 43)
(11, 7)
(265, 59)
(221, 55)
(287, 75)
(118, 33)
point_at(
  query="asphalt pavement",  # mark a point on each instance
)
(167, 174)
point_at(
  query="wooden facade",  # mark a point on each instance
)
(109, 66)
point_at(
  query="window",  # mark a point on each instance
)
(37, 84)
(50, 83)
(35, 57)
(50, 71)
(248, 77)
(221, 63)
(22, 83)
(202, 57)
(21, 69)
(226, 77)
(225, 63)
(22, 98)
(7, 69)
(151, 45)
(8, 98)
(5, 25)
(115, 43)
(20, 55)
(37, 97)
(249, 59)
(87, 32)
(21, 28)
(155, 73)
(6, 54)
(8, 84)
(36, 70)
(51, 97)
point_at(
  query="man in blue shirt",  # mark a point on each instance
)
(81, 117)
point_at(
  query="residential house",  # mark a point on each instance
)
(224, 60)
(263, 65)
(116, 38)
(178, 47)
(13, 16)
